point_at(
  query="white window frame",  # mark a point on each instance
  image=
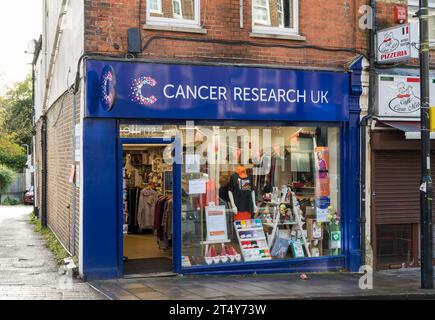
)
(281, 12)
(159, 6)
(174, 22)
(413, 6)
(416, 3)
(267, 7)
(277, 30)
(178, 16)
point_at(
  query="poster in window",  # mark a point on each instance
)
(216, 220)
(321, 155)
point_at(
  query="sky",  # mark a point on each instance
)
(20, 22)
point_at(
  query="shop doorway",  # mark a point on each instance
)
(147, 210)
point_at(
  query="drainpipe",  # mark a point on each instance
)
(74, 197)
(35, 192)
(364, 124)
(44, 171)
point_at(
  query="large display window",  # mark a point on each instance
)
(252, 193)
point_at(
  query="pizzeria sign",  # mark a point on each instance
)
(394, 44)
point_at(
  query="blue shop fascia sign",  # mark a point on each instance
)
(171, 91)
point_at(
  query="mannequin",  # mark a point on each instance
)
(242, 195)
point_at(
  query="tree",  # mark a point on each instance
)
(12, 155)
(16, 112)
(7, 176)
(16, 124)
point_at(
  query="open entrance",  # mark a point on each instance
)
(147, 210)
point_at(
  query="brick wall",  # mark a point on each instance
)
(332, 23)
(60, 133)
(385, 12)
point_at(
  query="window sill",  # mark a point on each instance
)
(187, 29)
(294, 37)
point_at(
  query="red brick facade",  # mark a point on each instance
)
(332, 23)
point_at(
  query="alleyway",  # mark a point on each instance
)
(27, 269)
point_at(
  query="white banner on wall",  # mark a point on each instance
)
(399, 96)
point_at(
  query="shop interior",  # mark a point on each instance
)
(279, 204)
(241, 202)
(147, 210)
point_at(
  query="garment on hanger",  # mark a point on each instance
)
(163, 221)
(146, 208)
(132, 204)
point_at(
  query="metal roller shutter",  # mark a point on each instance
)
(396, 187)
(396, 183)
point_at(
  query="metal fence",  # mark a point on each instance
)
(17, 189)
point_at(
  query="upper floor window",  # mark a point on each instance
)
(173, 12)
(275, 16)
(156, 6)
(413, 6)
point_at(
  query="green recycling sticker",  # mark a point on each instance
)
(335, 239)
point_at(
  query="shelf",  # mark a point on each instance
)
(281, 224)
(265, 248)
(250, 229)
(215, 242)
(252, 239)
(256, 259)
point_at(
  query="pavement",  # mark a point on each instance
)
(402, 284)
(28, 271)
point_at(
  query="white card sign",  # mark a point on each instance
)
(216, 220)
(197, 186)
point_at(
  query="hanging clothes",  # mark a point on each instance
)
(146, 209)
(132, 201)
(163, 221)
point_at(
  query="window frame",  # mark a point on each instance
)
(267, 7)
(280, 11)
(413, 6)
(278, 30)
(415, 3)
(180, 4)
(159, 5)
(174, 22)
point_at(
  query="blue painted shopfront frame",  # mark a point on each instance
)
(102, 198)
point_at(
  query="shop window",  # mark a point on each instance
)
(173, 12)
(275, 16)
(394, 246)
(253, 194)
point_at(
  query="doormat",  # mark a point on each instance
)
(150, 265)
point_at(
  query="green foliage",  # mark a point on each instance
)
(10, 202)
(50, 239)
(16, 112)
(6, 177)
(11, 154)
(16, 124)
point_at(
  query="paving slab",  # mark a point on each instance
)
(341, 285)
(28, 270)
